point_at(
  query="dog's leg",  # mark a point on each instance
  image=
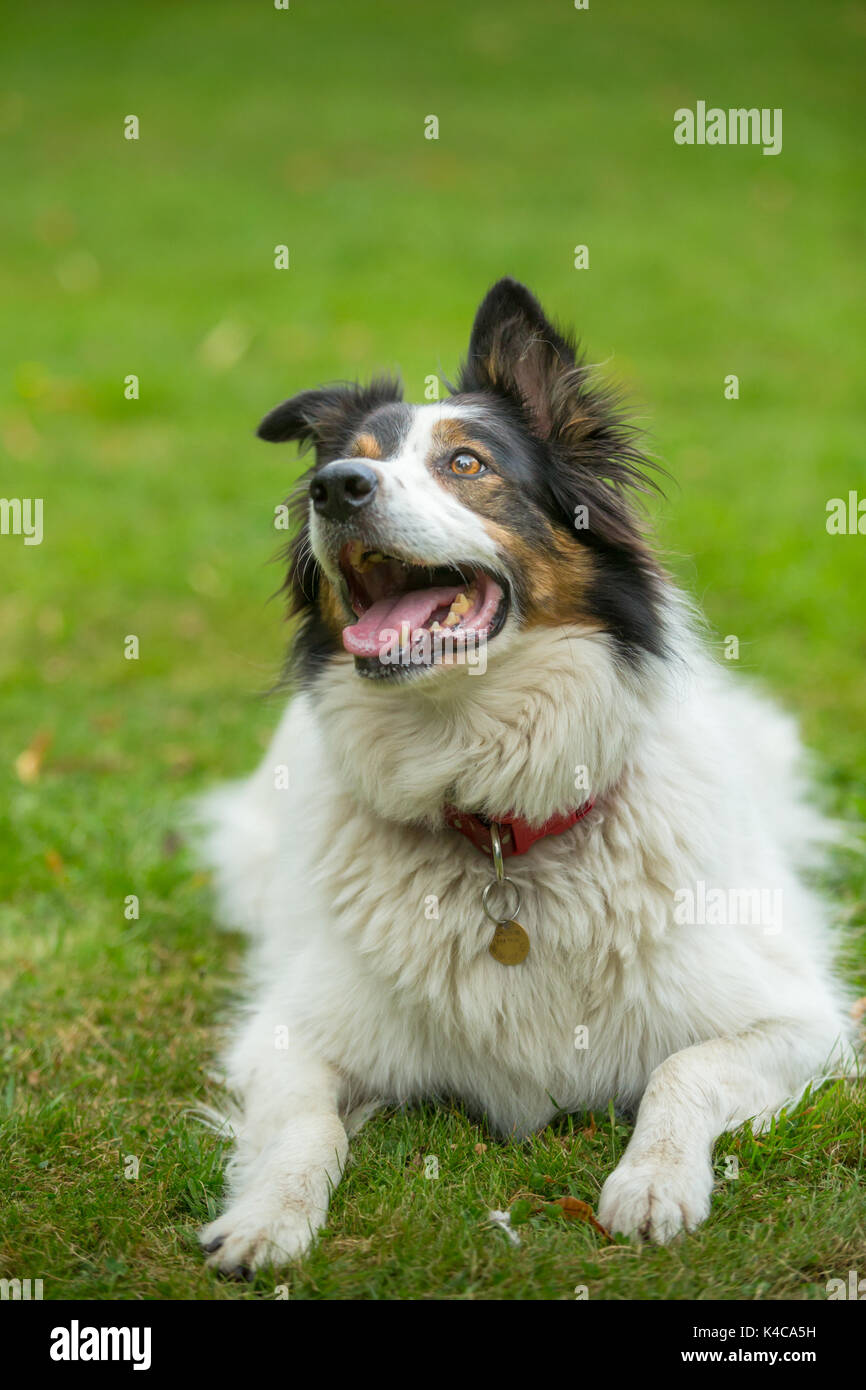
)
(291, 1149)
(665, 1178)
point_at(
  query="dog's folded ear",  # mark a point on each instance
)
(516, 351)
(326, 417)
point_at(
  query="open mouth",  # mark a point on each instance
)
(434, 611)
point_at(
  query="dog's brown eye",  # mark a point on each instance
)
(466, 465)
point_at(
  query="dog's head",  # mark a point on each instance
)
(428, 531)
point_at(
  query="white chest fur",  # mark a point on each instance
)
(371, 941)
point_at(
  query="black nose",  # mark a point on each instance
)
(343, 488)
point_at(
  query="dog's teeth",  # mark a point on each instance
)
(459, 606)
(362, 560)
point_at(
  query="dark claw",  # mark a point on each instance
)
(213, 1245)
(240, 1272)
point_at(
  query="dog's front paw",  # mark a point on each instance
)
(250, 1235)
(656, 1200)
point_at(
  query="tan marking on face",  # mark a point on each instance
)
(557, 575)
(451, 437)
(451, 434)
(366, 446)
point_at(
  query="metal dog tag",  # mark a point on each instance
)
(510, 944)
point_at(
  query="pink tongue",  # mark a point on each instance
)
(364, 638)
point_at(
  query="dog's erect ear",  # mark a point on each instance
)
(328, 416)
(516, 351)
(595, 460)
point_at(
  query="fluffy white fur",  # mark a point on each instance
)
(702, 1027)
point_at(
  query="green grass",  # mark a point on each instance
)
(306, 128)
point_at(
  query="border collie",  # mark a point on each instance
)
(471, 859)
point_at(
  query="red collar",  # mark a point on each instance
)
(516, 835)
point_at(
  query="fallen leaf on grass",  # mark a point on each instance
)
(576, 1210)
(97, 767)
(171, 844)
(530, 1204)
(28, 764)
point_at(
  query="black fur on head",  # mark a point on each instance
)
(328, 416)
(323, 419)
(588, 455)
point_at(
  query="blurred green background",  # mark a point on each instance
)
(305, 127)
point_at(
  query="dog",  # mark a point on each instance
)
(512, 837)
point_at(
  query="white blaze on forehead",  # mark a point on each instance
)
(425, 518)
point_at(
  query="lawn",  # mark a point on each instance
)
(155, 258)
